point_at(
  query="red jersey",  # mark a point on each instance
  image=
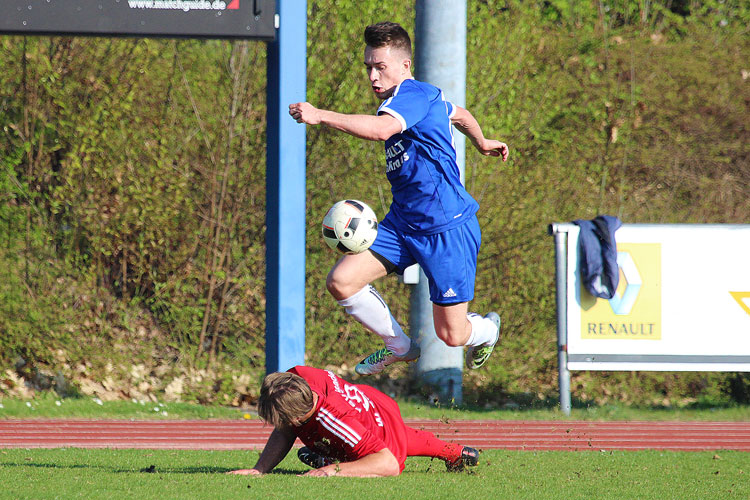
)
(350, 421)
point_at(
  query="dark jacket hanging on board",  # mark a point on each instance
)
(598, 255)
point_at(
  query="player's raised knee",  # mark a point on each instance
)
(340, 286)
(334, 284)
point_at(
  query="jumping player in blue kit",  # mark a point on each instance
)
(432, 220)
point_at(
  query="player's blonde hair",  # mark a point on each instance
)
(285, 398)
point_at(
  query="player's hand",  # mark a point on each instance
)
(246, 472)
(492, 147)
(304, 112)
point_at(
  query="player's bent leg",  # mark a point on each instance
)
(367, 306)
(451, 323)
(485, 335)
(351, 273)
(421, 443)
(456, 327)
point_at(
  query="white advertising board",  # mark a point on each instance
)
(682, 304)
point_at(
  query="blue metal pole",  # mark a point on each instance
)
(285, 191)
(440, 50)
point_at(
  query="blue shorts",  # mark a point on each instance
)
(449, 259)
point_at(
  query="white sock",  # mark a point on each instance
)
(483, 331)
(369, 308)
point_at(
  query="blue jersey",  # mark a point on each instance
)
(428, 196)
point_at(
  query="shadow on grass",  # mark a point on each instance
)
(151, 469)
(204, 470)
(51, 466)
(201, 469)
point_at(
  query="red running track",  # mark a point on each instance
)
(483, 434)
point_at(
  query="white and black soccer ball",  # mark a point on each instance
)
(350, 226)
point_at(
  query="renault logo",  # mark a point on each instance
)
(623, 304)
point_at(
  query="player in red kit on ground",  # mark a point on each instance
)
(347, 429)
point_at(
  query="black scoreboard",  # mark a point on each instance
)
(250, 19)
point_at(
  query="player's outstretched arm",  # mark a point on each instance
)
(278, 445)
(370, 127)
(465, 122)
(380, 464)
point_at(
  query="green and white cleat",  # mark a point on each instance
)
(476, 355)
(377, 361)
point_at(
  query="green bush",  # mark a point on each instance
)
(132, 195)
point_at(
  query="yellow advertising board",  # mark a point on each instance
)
(634, 313)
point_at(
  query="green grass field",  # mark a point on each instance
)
(145, 474)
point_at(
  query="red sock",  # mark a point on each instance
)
(425, 444)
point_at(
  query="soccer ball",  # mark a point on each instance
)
(350, 226)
